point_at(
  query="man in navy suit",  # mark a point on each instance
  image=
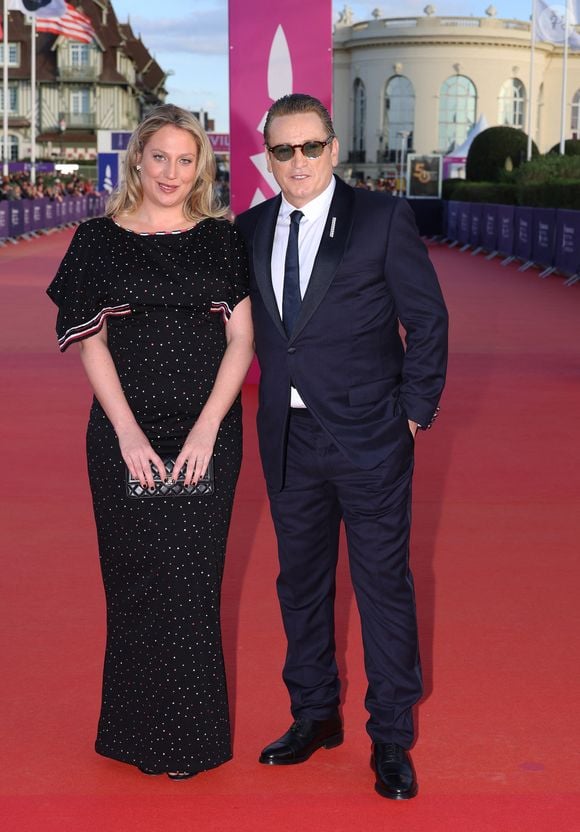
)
(334, 271)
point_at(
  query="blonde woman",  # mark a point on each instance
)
(155, 296)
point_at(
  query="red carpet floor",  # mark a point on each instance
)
(495, 555)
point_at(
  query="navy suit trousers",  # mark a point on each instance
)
(321, 487)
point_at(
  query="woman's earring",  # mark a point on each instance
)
(138, 168)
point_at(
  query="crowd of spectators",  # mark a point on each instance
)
(18, 186)
(387, 183)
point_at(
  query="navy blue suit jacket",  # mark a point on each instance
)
(346, 356)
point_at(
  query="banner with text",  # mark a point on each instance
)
(279, 56)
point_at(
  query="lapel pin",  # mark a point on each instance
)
(332, 226)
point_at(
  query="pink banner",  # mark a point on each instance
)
(275, 49)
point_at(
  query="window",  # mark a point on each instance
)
(512, 100)
(457, 110)
(79, 54)
(12, 147)
(79, 100)
(13, 54)
(360, 111)
(399, 113)
(12, 99)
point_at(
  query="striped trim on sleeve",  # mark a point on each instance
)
(84, 330)
(223, 307)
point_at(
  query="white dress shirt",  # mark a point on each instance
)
(309, 237)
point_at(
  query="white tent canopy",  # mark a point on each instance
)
(463, 149)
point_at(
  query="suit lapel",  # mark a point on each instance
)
(330, 253)
(262, 255)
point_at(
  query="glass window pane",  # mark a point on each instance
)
(457, 111)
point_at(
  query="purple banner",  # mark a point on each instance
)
(39, 213)
(489, 227)
(23, 216)
(505, 229)
(524, 233)
(26, 216)
(49, 214)
(464, 222)
(475, 225)
(544, 236)
(25, 167)
(452, 220)
(16, 226)
(4, 220)
(567, 248)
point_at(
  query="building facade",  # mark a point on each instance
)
(421, 83)
(108, 84)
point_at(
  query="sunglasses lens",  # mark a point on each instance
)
(283, 152)
(312, 150)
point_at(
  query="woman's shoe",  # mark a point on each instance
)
(181, 775)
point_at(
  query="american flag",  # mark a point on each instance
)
(73, 24)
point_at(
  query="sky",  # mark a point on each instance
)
(190, 39)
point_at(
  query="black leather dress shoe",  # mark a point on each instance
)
(303, 738)
(396, 777)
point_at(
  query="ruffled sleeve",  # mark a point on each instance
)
(238, 275)
(80, 292)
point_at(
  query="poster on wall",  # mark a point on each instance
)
(424, 176)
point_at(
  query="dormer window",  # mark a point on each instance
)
(79, 54)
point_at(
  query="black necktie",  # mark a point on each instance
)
(291, 299)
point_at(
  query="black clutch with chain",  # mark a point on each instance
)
(167, 485)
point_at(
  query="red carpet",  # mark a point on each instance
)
(495, 556)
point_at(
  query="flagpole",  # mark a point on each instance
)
(33, 101)
(5, 90)
(564, 82)
(531, 81)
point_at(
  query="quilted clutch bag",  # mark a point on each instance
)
(174, 487)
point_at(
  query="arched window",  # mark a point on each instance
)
(457, 110)
(358, 133)
(512, 104)
(575, 118)
(399, 115)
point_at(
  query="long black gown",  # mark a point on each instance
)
(165, 298)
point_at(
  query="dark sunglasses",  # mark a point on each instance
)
(285, 152)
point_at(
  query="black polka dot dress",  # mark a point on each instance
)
(166, 298)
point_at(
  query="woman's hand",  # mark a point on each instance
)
(197, 450)
(138, 455)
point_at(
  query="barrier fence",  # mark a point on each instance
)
(24, 216)
(545, 237)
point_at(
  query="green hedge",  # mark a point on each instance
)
(564, 194)
(571, 147)
(487, 159)
(550, 194)
(497, 193)
(550, 181)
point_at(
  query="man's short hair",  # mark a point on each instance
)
(298, 102)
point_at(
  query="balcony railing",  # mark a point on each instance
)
(78, 73)
(82, 121)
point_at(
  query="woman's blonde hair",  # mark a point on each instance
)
(201, 200)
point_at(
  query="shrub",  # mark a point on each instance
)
(497, 193)
(571, 148)
(550, 194)
(490, 151)
(548, 168)
(448, 187)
